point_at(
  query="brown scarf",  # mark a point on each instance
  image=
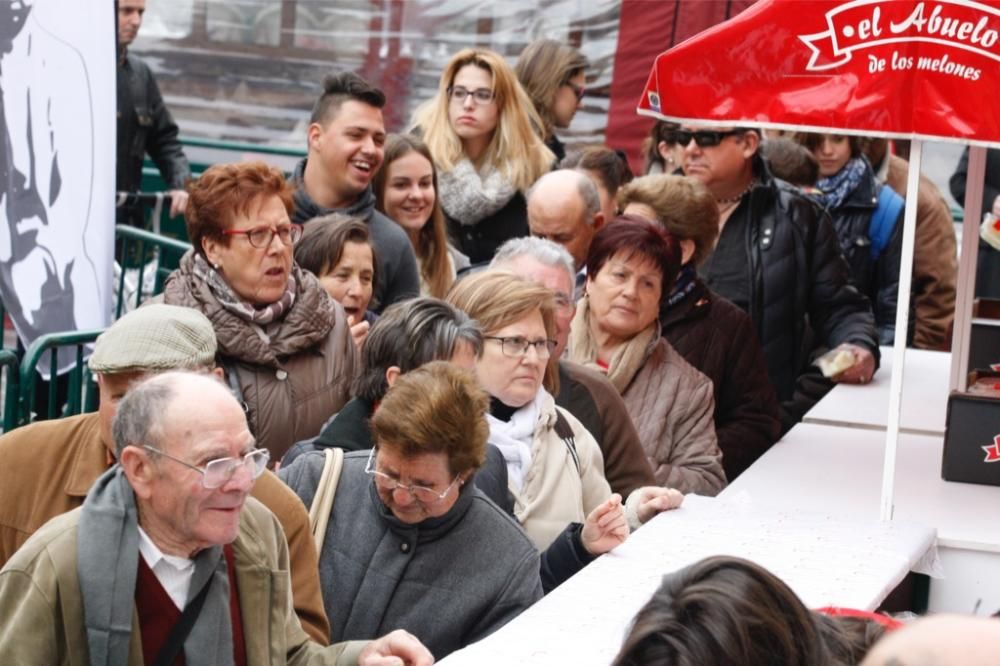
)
(627, 358)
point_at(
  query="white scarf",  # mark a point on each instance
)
(469, 196)
(514, 437)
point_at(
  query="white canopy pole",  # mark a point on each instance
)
(966, 283)
(902, 321)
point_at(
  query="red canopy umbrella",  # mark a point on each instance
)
(913, 69)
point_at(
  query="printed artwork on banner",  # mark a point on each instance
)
(56, 191)
(992, 451)
(908, 68)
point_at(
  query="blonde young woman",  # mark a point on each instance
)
(552, 74)
(406, 191)
(481, 131)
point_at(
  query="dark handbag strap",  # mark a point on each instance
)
(175, 641)
(565, 432)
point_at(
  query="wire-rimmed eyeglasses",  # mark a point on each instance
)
(421, 494)
(217, 472)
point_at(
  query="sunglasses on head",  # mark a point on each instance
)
(704, 138)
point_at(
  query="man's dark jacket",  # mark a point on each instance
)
(145, 126)
(718, 338)
(800, 296)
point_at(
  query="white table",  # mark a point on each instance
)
(827, 561)
(839, 470)
(925, 396)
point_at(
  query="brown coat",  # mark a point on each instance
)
(69, 455)
(672, 407)
(293, 374)
(591, 398)
(935, 262)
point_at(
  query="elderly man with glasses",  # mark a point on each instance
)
(168, 555)
(70, 453)
(778, 258)
(411, 543)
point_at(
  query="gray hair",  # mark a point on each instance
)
(585, 189)
(540, 249)
(408, 335)
(139, 417)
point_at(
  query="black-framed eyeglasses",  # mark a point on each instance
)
(481, 96)
(216, 473)
(421, 494)
(517, 346)
(261, 237)
(704, 138)
(579, 91)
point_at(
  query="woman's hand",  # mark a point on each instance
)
(395, 649)
(654, 499)
(605, 527)
(359, 331)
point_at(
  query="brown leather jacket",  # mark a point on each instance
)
(69, 455)
(935, 260)
(293, 374)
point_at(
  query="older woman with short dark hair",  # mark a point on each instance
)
(711, 333)
(284, 343)
(410, 541)
(632, 261)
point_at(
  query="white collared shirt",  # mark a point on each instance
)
(173, 572)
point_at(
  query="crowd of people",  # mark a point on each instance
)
(387, 403)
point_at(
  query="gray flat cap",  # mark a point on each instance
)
(155, 337)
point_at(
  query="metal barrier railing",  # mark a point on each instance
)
(141, 254)
(9, 370)
(81, 393)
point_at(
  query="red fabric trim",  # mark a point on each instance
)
(889, 623)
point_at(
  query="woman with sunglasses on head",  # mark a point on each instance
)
(555, 469)
(411, 541)
(284, 343)
(406, 190)
(552, 74)
(616, 330)
(481, 131)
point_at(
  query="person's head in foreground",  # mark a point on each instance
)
(727, 611)
(940, 640)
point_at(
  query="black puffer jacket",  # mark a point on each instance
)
(717, 338)
(801, 299)
(479, 241)
(876, 279)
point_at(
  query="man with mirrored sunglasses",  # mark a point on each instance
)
(70, 453)
(169, 555)
(778, 258)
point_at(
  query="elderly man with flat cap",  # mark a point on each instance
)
(47, 467)
(169, 557)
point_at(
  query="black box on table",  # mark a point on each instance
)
(972, 432)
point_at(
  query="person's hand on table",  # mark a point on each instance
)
(655, 499)
(605, 527)
(996, 206)
(862, 370)
(178, 202)
(397, 648)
